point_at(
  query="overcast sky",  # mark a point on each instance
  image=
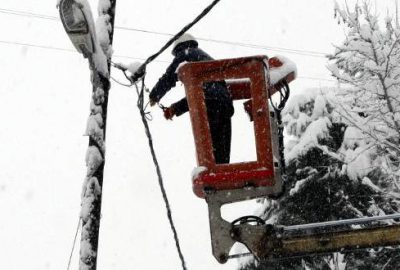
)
(44, 104)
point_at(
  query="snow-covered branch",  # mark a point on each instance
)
(367, 64)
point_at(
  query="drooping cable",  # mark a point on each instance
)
(284, 91)
(144, 116)
(140, 74)
(120, 83)
(284, 96)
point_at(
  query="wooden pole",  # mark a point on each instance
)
(95, 160)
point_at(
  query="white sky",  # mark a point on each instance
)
(44, 104)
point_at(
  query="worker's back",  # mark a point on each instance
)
(216, 93)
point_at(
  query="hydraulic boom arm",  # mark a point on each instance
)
(268, 242)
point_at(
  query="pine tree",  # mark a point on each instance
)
(330, 178)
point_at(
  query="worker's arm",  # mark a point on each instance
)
(167, 81)
(180, 107)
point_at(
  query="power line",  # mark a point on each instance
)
(36, 46)
(74, 243)
(232, 43)
(27, 14)
(316, 78)
(68, 50)
(47, 47)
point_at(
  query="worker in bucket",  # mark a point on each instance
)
(217, 96)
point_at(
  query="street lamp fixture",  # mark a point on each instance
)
(78, 26)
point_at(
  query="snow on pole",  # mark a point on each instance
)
(96, 130)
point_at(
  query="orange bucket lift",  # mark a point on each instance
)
(247, 78)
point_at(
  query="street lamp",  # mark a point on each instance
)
(77, 24)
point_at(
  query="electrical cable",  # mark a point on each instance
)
(284, 91)
(120, 83)
(143, 114)
(142, 69)
(27, 14)
(67, 50)
(124, 56)
(140, 74)
(36, 46)
(74, 243)
(232, 43)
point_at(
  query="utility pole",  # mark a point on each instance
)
(94, 42)
(96, 130)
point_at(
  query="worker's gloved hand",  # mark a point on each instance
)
(169, 113)
(152, 102)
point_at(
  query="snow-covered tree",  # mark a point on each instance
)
(330, 178)
(367, 65)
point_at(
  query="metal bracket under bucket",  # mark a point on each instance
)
(221, 230)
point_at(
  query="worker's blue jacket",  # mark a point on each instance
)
(217, 96)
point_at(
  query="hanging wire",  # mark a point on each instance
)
(120, 83)
(284, 91)
(142, 108)
(74, 243)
